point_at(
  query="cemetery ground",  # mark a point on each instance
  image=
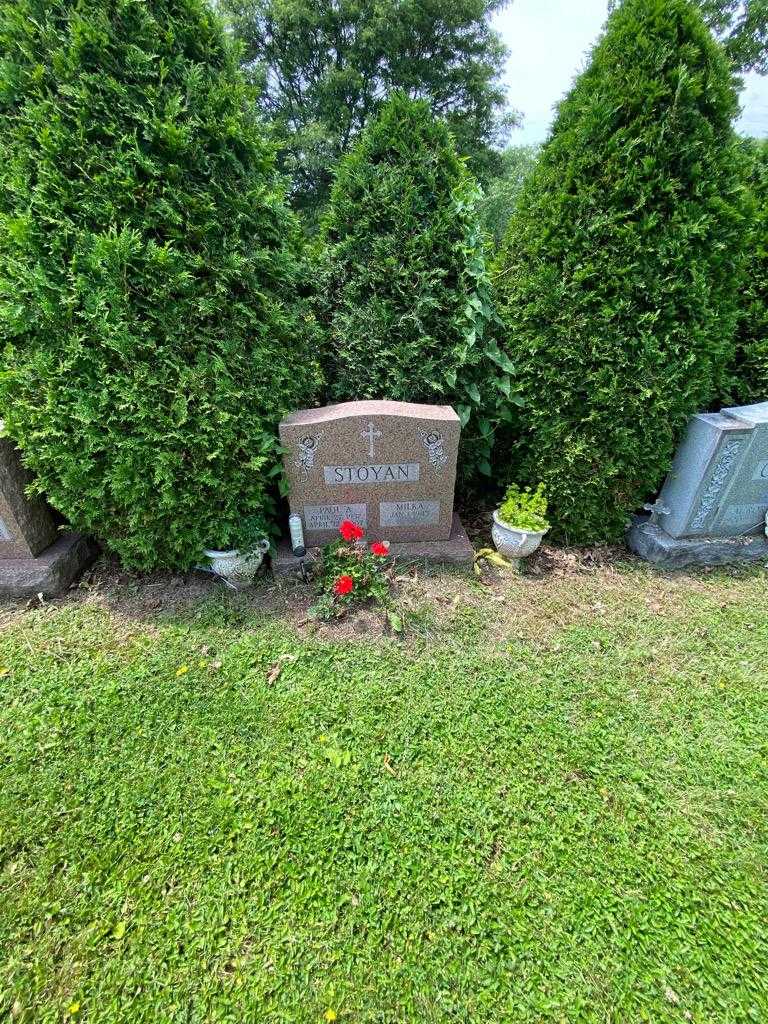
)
(545, 802)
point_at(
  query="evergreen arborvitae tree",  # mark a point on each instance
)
(752, 385)
(408, 291)
(620, 268)
(147, 262)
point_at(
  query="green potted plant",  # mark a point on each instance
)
(520, 522)
(242, 551)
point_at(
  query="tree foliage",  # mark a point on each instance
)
(407, 286)
(323, 68)
(741, 26)
(145, 256)
(618, 275)
(502, 191)
(753, 326)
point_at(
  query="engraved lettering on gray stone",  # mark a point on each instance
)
(716, 493)
(330, 517)
(394, 473)
(409, 513)
(745, 516)
(720, 475)
(5, 533)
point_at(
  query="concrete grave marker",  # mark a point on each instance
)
(388, 466)
(26, 524)
(713, 505)
(35, 558)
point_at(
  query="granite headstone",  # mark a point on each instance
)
(26, 525)
(713, 505)
(35, 557)
(388, 466)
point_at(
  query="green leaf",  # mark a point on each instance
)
(473, 392)
(395, 622)
(464, 413)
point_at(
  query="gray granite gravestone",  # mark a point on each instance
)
(26, 524)
(35, 558)
(713, 505)
(390, 467)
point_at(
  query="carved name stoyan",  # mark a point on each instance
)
(396, 473)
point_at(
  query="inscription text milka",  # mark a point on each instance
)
(394, 473)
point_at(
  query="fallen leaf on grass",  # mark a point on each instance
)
(277, 668)
(4, 671)
(671, 996)
(388, 765)
(494, 558)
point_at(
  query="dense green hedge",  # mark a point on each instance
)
(406, 297)
(753, 326)
(147, 263)
(619, 272)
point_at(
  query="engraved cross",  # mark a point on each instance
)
(370, 436)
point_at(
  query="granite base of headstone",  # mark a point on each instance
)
(390, 467)
(712, 508)
(35, 558)
(456, 550)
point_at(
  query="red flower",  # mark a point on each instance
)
(351, 531)
(380, 548)
(343, 585)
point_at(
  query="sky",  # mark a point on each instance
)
(549, 41)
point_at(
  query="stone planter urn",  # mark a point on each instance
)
(238, 568)
(513, 543)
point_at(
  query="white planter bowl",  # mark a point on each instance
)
(238, 567)
(514, 543)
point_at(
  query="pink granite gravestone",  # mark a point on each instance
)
(390, 467)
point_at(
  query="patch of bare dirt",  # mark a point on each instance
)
(558, 588)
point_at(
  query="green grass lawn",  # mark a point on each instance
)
(549, 802)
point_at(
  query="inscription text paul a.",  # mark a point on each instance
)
(330, 517)
(397, 473)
